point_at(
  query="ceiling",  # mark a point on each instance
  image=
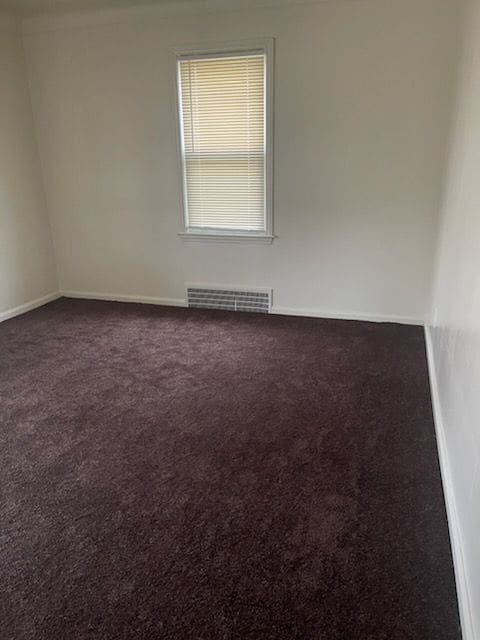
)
(26, 7)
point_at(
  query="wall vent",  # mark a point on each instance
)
(212, 297)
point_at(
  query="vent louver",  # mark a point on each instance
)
(229, 299)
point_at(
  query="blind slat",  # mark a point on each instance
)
(223, 132)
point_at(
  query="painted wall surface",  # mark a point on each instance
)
(455, 335)
(27, 268)
(362, 98)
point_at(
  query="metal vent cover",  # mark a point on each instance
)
(212, 297)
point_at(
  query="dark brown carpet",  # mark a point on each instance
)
(177, 474)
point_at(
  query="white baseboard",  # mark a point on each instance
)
(463, 594)
(119, 297)
(28, 306)
(284, 311)
(342, 315)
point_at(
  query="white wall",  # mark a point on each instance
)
(27, 268)
(362, 99)
(455, 335)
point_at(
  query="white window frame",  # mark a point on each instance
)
(266, 47)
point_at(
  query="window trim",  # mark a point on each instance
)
(243, 47)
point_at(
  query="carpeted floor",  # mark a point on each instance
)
(178, 474)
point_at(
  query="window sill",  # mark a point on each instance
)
(226, 237)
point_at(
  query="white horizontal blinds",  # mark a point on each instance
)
(223, 117)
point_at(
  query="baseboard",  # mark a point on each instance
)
(119, 297)
(464, 600)
(28, 306)
(284, 311)
(342, 315)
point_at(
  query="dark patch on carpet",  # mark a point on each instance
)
(178, 474)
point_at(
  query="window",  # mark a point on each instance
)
(225, 129)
